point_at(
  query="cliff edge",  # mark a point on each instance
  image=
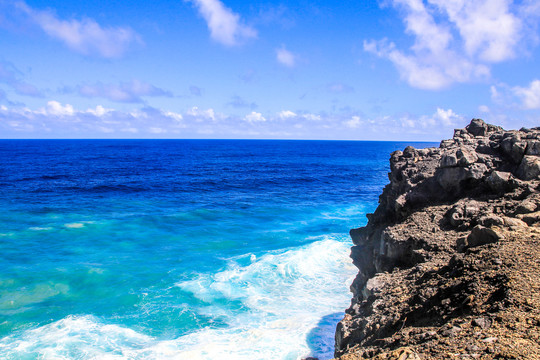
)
(449, 263)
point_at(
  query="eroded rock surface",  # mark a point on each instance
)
(449, 263)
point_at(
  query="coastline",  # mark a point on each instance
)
(448, 262)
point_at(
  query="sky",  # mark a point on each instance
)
(408, 70)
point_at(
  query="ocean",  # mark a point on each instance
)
(180, 249)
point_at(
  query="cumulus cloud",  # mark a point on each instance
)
(254, 117)
(529, 96)
(200, 114)
(454, 41)
(10, 76)
(224, 24)
(84, 36)
(286, 114)
(55, 108)
(285, 57)
(99, 111)
(129, 92)
(353, 122)
(58, 118)
(447, 117)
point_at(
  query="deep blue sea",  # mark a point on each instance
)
(180, 249)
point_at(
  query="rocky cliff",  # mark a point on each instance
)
(449, 263)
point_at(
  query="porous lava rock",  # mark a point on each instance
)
(449, 262)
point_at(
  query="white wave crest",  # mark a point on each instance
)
(290, 303)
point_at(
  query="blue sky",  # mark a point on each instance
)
(361, 70)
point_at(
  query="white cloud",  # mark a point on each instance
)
(529, 96)
(173, 115)
(354, 122)
(130, 92)
(55, 108)
(65, 118)
(447, 117)
(285, 57)
(286, 114)
(200, 114)
(157, 130)
(224, 25)
(84, 36)
(99, 111)
(483, 108)
(487, 27)
(454, 41)
(254, 117)
(312, 117)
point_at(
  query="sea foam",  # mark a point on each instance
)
(290, 302)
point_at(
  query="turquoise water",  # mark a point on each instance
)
(179, 249)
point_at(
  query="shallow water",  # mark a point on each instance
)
(185, 249)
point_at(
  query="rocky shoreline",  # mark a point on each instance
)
(449, 263)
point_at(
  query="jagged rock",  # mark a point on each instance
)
(450, 178)
(499, 181)
(529, 168)
(449, 160)
(409, 152)
(514, 147)
(425, 261)
(533, 147)
(477, 127)
(466, 157)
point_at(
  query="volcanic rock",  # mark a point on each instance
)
(449, 261)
